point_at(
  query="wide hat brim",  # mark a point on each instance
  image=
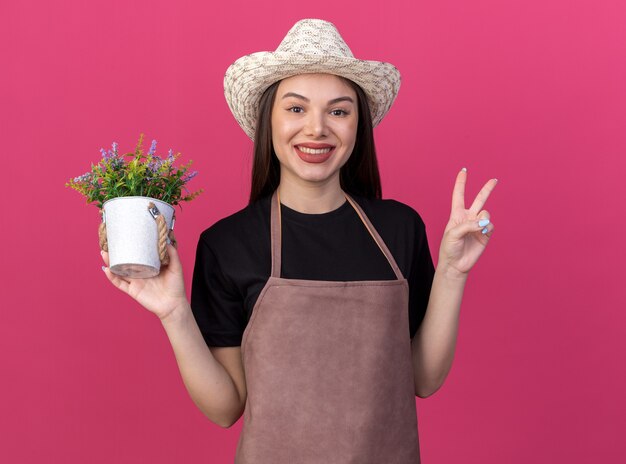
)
(248, 77)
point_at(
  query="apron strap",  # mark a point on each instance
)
(276, 235)
(276, 238)
(377, 238)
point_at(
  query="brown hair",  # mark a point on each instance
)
(358, 176)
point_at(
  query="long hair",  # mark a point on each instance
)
(358, 176)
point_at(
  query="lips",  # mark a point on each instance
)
(314, 152)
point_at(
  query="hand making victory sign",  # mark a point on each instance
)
(468, 231)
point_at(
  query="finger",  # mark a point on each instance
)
(483, 220)
(116, 280)
(468, 227)
(172, 238)
(482, 196)
(174, 249)
(487, 231)
(105, 257)
(484, 214)
(458, 194)
(174, 263)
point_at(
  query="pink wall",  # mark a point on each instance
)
(532, 92)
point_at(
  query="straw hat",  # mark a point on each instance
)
(311, 46)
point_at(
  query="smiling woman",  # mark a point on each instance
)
(302, 301)
(314, 122)
(359, 174)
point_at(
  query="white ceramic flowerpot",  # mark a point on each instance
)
(132, 235)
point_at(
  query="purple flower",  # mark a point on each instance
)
(170, 156)
(187, 177)
(111, 156)
(152, 147)
(108, 155)
(84, 178)
(155, 164)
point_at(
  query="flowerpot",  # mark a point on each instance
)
(132, 235)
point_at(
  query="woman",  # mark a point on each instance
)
(300, 306)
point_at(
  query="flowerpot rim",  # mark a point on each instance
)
(136, 197)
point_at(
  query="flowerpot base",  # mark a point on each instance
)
(134, 271)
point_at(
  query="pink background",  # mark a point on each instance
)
(531, 92)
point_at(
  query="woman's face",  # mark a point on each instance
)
(314, 123)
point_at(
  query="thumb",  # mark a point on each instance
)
(467, 227)
(174, 263)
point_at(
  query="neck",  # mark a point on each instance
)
(311, 198)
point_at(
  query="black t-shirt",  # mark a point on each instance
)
(233, 260)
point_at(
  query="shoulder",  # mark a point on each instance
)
(239, 227)
(389, 212)
(399, 225)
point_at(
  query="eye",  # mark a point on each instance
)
(295, 109)
(339, 112)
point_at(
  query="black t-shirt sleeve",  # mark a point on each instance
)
(420, 277)
(216, 303)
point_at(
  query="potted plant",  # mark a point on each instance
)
(136, 194)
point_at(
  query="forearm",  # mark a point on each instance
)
(434, 343)
(208, 383)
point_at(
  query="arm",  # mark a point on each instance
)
(465, 237)
(213, 377)
(434, 342)
(214, 380)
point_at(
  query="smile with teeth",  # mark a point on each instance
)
(314, 151)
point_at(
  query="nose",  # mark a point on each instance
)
(316, 125)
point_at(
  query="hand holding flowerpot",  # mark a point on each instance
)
(162, 294)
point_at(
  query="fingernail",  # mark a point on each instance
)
(464, 169)
(484, 231)
(103, 268)
(102, 252)
(483, 222)
(495, 179)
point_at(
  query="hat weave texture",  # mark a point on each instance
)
(310, 46)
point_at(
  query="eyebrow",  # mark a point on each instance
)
(331, 102)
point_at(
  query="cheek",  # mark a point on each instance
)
(280, 140)
(349, 134)
(282, 131)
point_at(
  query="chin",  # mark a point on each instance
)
(308, 176)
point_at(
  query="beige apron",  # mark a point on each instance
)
(328, 369)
